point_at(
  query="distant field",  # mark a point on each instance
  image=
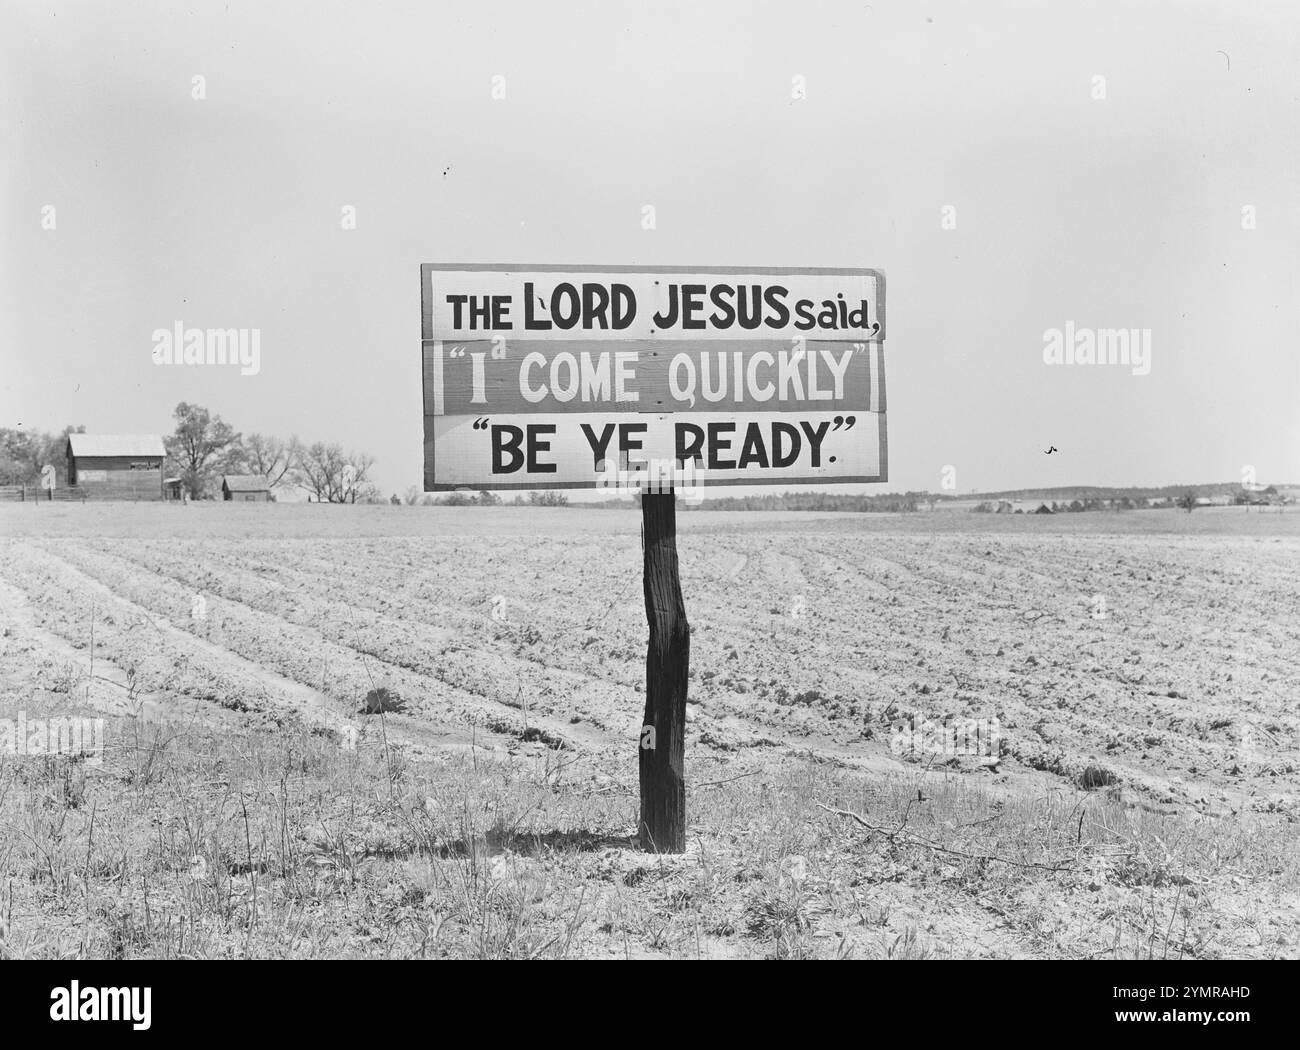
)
(1142, 668)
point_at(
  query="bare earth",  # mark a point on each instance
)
(1142, 669)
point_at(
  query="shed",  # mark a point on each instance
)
(117, 466)
(245, 488)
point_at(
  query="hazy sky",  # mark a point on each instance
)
(1117, 212)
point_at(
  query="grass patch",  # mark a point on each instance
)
(278, 842)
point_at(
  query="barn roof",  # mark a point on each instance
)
(116, 445)
(245, 483)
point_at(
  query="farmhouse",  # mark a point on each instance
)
(1253, 494)
(116, 466)
(245, 488)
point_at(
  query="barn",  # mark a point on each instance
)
(117, 466)
(245, 488)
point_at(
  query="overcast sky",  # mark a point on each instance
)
(1123, 211)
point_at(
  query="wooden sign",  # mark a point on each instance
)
(543, 377)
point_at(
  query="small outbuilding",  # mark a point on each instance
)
(245, 488)
(116, 466)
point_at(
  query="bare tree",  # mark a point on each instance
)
(318, 468)
(333, 475)
(271, 457)
(356, 481)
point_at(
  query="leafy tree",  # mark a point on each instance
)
(19, 452)
(23, 453)
(202, 447)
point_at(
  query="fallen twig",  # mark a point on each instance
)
(715, 783)
(913, 841)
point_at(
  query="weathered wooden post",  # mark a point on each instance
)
(667, 664)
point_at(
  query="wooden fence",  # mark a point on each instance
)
(31, 493)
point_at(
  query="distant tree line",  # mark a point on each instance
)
(1186, 501)
(889, 503)
(1140, 496)
(482, 498)
(1074, 506)
(785, 501)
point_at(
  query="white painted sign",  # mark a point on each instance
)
(567, 377)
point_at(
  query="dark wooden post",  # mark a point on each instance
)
(662, 745)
